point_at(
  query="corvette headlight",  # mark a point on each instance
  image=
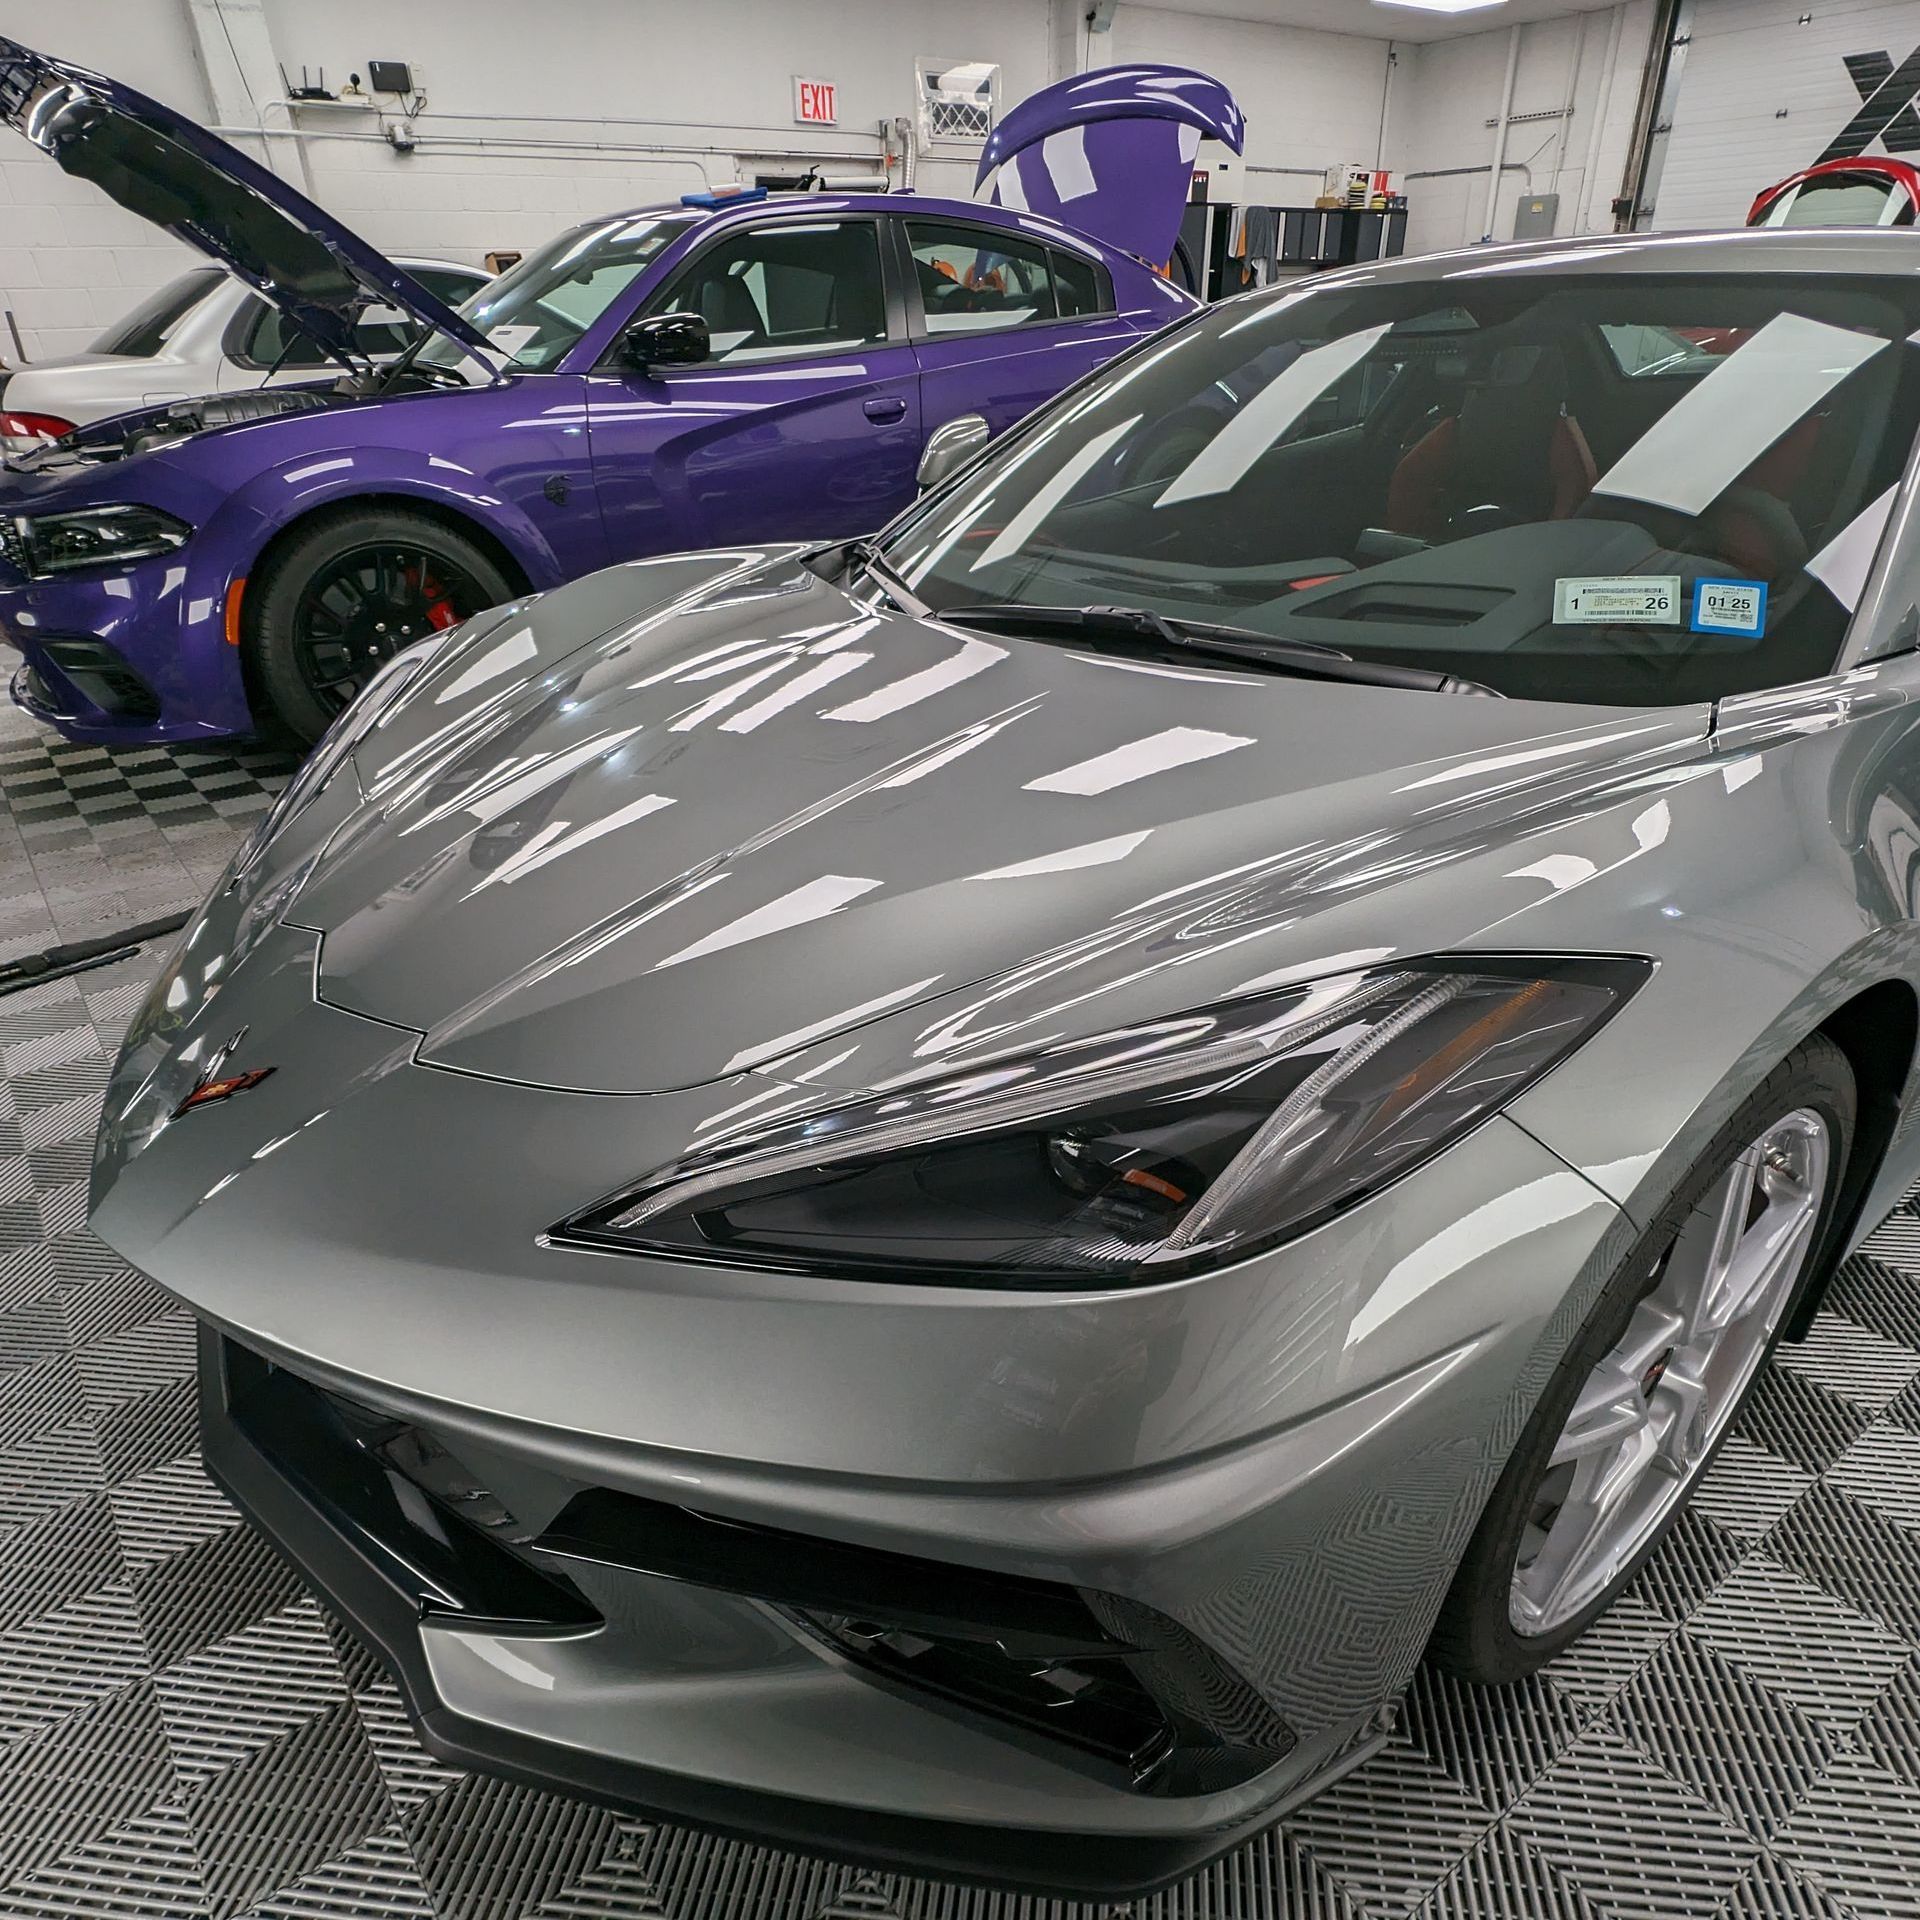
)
(1138, 1156)
(49, 543)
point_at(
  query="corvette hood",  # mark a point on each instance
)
(764, 813)
(160, 165)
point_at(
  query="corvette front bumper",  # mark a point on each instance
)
(652, 1690)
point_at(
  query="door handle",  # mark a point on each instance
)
(881, 411)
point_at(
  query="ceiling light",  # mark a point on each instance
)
(1442, 6)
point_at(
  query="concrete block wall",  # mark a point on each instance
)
(70, 260)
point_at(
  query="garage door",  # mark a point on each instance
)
(1769, 86)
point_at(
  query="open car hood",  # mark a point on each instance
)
(158, 164)
(1111, 153)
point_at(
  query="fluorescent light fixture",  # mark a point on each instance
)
(1442, 6)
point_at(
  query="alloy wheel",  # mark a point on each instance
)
(362, 606)
(1649, 1413)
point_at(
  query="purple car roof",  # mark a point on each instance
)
(812, 204)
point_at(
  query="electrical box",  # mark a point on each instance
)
(1536, 216)
(389, 76)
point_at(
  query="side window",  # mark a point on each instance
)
(1644, 352)
(269, 340)
(804, 286)
(979, 279)
(445, 284)
(383, 332)
(1082, 287)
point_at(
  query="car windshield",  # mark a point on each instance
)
(141, 334)
(536, 310)
(1625, 489)
(1842, 200)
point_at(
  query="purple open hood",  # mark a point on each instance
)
(1111, 152)
(158, 164)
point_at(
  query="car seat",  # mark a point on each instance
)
(1511, 453)
(726, 303)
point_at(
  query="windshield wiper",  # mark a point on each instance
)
(1311, 659)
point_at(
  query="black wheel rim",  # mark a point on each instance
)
(361, 607)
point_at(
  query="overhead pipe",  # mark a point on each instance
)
(1500, 134)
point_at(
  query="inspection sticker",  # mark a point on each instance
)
(1621, 599)
(1730, 606)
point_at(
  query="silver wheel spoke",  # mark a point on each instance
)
(1647, 1416)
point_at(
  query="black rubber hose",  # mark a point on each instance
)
(34, 969)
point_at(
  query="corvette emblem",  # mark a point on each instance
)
(211, 1088)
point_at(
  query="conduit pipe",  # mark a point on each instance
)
(1500, 134)
(1598, 132)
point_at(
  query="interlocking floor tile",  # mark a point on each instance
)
(1849, 1548)
(1831, 1660)
(252, 1689)
(286, 1810)
(1851, 1361)
(1740, 1746)
(492, 1851)
(1882, 1468)
(1890, 1734)
(1747, 1489)
(1390, 1832)
(1857, 1837)
(77, 1780)
(1630, 1836)
(1496, 1741)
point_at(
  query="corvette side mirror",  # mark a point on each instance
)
(666, 340)
(950, 447)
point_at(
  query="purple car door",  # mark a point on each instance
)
(1002, 321)
(804, 423)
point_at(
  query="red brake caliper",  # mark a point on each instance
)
(441, 613)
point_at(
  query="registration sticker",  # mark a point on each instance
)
(1730, 606)
(1620, 599)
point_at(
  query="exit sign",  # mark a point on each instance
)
(814, 104)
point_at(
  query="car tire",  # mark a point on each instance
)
(438, 575)
(1521, 1593)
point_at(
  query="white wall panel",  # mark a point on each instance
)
(1447, 91)
(540, 114)
(1762, 93)
(1312, 100)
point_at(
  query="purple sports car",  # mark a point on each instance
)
(717, 371)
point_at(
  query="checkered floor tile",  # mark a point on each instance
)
(93, 838)
(184, 1732)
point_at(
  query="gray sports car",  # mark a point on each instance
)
(946, 1198)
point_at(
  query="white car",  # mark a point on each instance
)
(205, 332)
